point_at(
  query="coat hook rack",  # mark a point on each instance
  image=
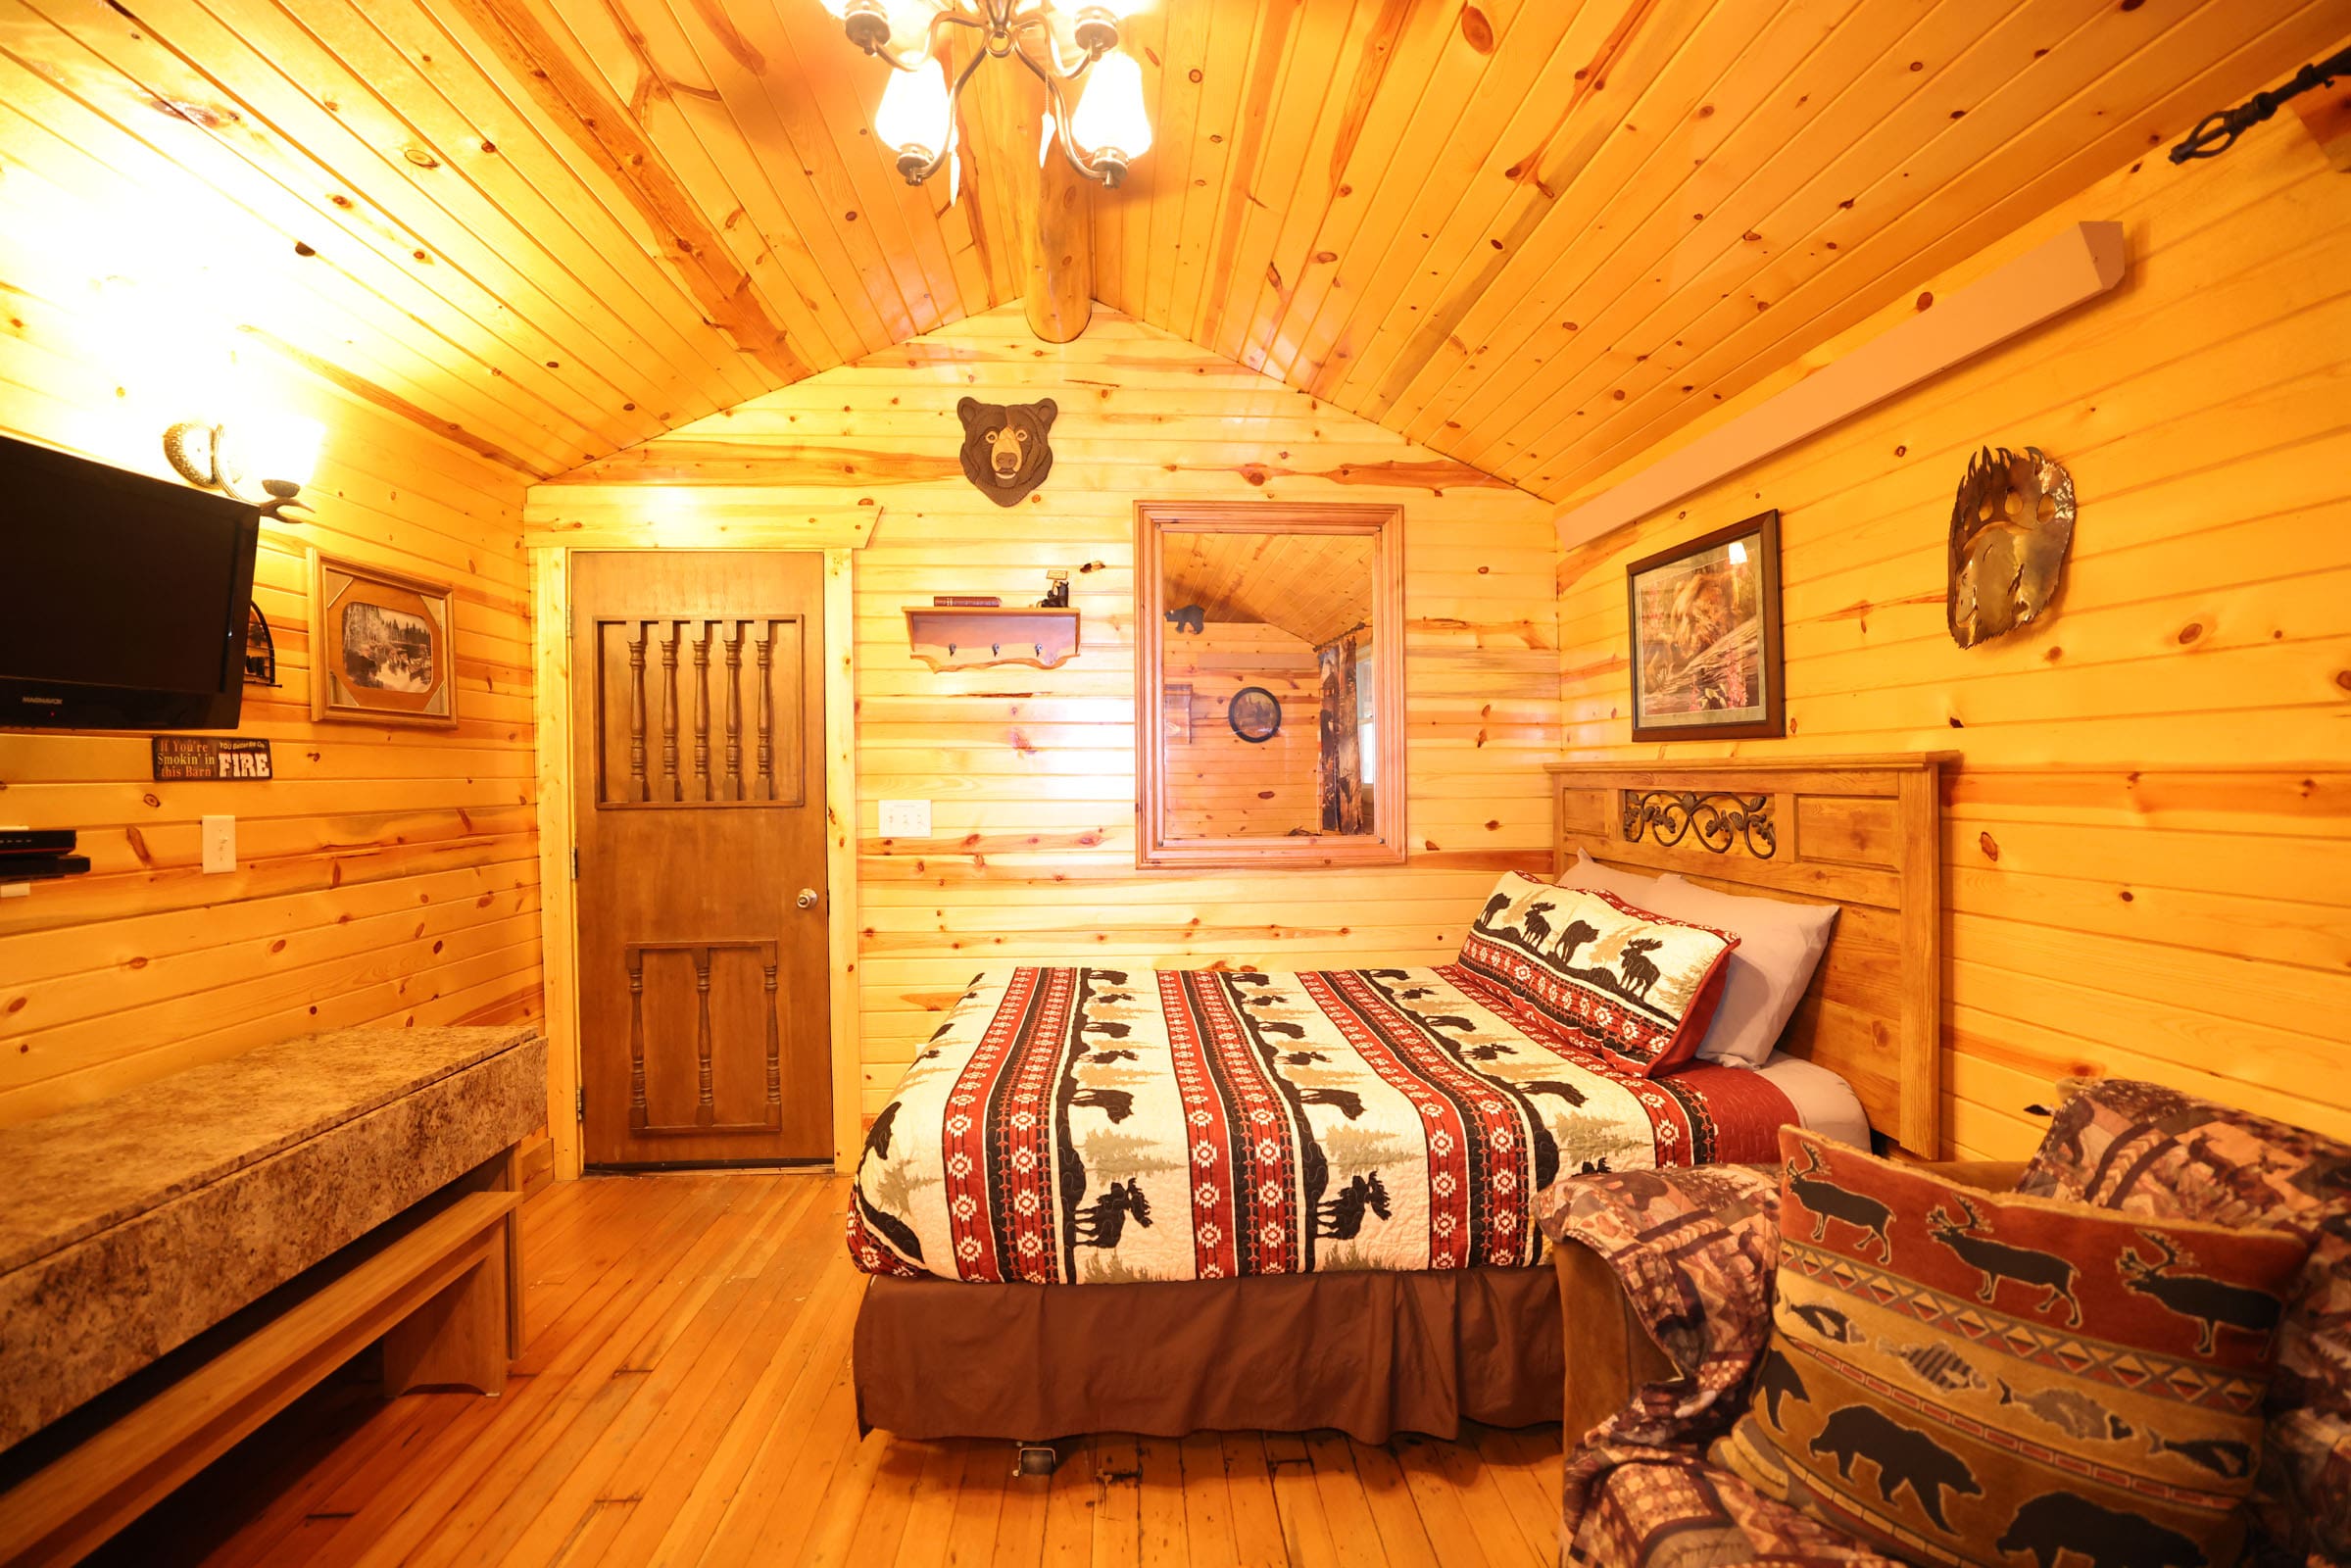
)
(951, 636)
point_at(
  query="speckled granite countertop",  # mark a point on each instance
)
(80, 1171)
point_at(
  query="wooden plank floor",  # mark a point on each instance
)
(685, 1398)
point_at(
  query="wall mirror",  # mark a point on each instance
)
(1270, 684)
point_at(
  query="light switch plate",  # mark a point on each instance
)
(905, 819)
(219, 844)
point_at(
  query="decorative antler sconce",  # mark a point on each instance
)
(274, 454)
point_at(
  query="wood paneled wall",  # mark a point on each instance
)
(1032, 773)
(1220, 783)
(384, 875)
(2147, 850)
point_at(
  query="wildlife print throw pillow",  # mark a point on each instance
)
(1635, 987)
(2148, 1150)
(2004, 1381)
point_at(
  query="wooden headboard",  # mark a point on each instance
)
(1860, 832)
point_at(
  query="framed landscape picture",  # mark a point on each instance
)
(381, 646)
(1705, 636)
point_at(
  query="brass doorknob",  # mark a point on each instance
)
(808, 898)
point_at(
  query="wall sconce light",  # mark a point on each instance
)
(273, 454)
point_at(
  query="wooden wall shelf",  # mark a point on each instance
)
(974, 637)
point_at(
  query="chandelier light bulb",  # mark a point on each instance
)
(910, 22)
(914, 117)
(1095, 29)
(1110, 126)
(868, 22)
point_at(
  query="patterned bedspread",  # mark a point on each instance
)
(1079, 1125)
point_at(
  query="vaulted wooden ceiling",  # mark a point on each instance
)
(1313, 586)
(1538, 235)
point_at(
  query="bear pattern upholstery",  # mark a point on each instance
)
(1695, 1250)
(1672, 1509)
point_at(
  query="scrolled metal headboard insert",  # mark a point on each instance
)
(1718, 819)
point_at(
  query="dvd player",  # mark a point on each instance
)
(42, 867)
(38, 841)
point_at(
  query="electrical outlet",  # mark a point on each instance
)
(905, 819)
(219, 844)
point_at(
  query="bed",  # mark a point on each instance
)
(1159, 1202)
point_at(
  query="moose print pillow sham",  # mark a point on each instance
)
(1083, 1125)
(1971, 1379)
(1637, 987)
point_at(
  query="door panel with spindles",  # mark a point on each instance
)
(697, 725)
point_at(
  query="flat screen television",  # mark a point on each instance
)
(123, 599)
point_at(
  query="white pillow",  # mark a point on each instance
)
(1779, 944)
(1588, 876)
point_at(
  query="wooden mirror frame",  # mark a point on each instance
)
(1385, 844)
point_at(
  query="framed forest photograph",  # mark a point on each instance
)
(1704, 624)
(381, 646)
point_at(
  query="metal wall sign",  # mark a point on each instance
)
(214, 758)
(2011, 523)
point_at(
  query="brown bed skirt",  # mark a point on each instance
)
(1371, 1355)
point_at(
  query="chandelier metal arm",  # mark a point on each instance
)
(1108, 174)
(880, 49)
(1051, 74)
(1000, 24)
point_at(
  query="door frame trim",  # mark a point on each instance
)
(837, 539)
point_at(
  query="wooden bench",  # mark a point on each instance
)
(301, 1207)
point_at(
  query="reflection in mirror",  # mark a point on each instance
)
(1271, 669)
(1265, 710)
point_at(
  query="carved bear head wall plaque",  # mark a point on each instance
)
(2011, 523)
(1005, 449)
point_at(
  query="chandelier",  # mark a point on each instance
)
(1064, 44)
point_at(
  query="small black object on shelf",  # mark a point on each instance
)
(39, 855)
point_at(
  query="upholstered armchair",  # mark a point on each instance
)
(1666, 1281)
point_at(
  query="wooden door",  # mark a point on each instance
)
(698, 723)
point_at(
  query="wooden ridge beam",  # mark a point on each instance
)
(1048, 205)
(2078, 264)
